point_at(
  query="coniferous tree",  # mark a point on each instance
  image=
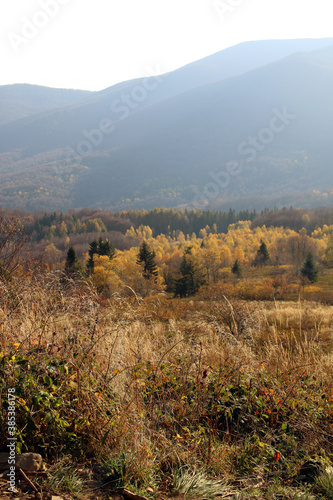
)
(93, 249)
(146, 257)
(262, 256)
(309, 269)
(72, 265)
(105, 248)
(237, 269)
(190, 279)
(100, 247)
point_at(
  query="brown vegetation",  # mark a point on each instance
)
(227, 393)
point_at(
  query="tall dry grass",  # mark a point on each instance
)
(163, 383)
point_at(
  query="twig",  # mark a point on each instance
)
(30, 483)
(167, 352)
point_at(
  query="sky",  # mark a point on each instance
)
(93, 44)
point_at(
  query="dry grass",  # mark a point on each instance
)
(153, 379)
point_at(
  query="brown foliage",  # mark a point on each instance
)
(12, 241)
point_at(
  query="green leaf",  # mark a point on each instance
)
(48, 381)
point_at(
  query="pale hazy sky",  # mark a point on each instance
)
(93, 44)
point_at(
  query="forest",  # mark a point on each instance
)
(211, 242)
(168, 353)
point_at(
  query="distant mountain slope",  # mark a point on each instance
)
(242, 58)
(163, 140)
(21, 100)
(57, 128)
(177, 142)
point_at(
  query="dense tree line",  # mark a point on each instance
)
(280, 259)
(295, 218)
(48, 226)
(168, 221)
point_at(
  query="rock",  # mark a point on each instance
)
(29, 462)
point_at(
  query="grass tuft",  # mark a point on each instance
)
(195, 484)
(63, 477)
(324, 483)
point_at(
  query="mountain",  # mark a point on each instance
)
(240, 59)
(68, 114)
(21, 100)
(180, 145)
(167, 140)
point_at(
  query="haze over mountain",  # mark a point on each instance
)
(21, 100)
(167, 140)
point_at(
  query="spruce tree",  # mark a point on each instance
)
(93, 249)
(100, 247)
(309, 269)
(236, 269)
(190, 279)
(146, 257)
(106, 248)
(262, 256)
(72, 266)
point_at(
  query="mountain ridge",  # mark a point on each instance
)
(162, 148)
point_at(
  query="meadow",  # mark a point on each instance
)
(195, 397)
(223, 390)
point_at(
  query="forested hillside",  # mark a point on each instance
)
(247, 127)
(22, 100)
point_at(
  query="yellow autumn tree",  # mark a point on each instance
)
(105, 277)
(123, 275)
